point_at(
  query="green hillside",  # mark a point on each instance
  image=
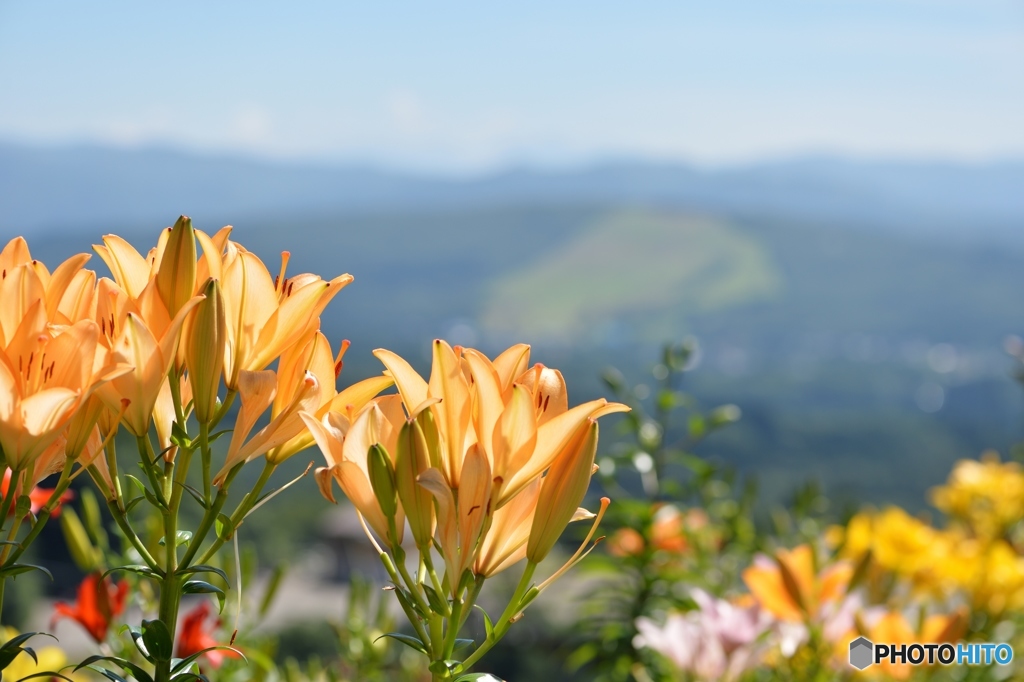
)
(650, 268)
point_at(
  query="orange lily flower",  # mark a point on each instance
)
(151, 357)
(519, 417)
(304, 382)
(344, 440)
(193, 636)
(31, 281)
(99, 601)
(790, 589)
(499, 427)
(264, 316)
(46, 372)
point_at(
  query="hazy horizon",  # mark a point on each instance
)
(460, 88)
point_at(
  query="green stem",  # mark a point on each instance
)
(428, 563)
(44, 513)
(224, 407)
(204, 448)
(170, 585)
(410, 614)
(209, 517)
(121, 519)
(478, 585)
(503, 624)
(12, 494)
(148, 457)
(241, 510)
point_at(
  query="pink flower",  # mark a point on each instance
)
(717, 641)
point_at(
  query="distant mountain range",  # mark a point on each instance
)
(60, 188)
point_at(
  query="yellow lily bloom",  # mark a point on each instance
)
(986, 495)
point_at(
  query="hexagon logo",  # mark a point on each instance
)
(861, 653)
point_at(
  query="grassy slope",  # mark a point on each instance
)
(639, 265)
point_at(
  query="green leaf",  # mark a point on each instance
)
(18, 569)
(136, 482)
(200, 587)
(447, 666)
(134, 568)
(184, 663)
(189, 676)
(203, 568)
(136, 635)
(109, 674)
(461, 642)
(181, 435)
(479, 677)
(218, 434)
(181, 537)
(157, 639)
(12, 647)
(224, 527)
(50, 674)
(136, 671)
(407, 640)
(196, 495)
(203, 587)
(488, 624)
(438, 604)
(131, 503)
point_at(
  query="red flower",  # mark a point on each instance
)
(193, 636)
(99, 600)
(38, 496)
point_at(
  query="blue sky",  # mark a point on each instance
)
(472, 85)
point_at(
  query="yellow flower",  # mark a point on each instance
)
(893, 628)
(790, 588)
(992, 576)
(988, 496)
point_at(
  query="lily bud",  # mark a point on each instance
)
(204, 351)
(562, 490)
(428, 425)
(83, 552)
(81, 426)
(176, 274)
(411, 460)
(382, 479)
